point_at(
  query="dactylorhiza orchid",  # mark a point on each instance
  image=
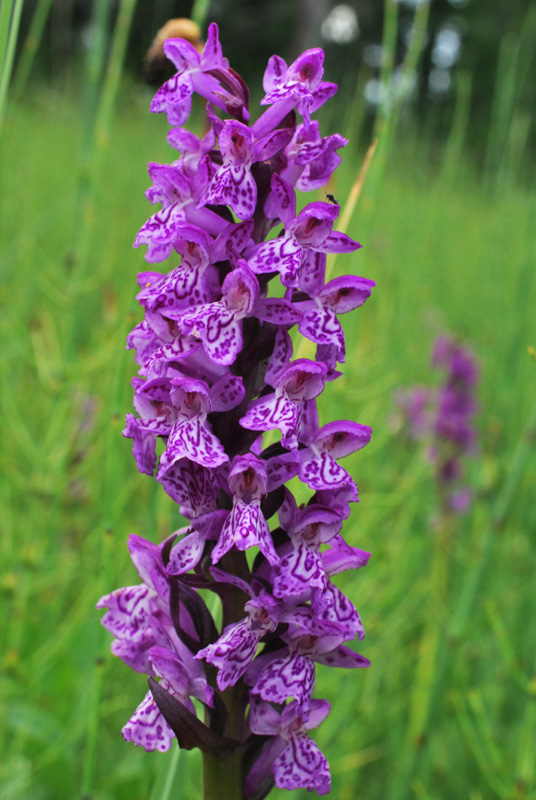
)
(216, 378)
(443, 417)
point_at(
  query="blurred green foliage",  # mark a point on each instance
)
(497, 41)
(446, 256)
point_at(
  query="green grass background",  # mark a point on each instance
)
(447, 709)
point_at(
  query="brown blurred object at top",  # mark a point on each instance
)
(157, 68)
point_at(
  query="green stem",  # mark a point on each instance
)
(222, 776)
(99, 116)
(200, 11)
(166, 784)
(499, 511)
(31, 46)
(390, 30)
(9, 29)
(103, 580)
(431, 663)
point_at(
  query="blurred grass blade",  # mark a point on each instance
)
(200, 11)
(503, 103)
(31, 46)
(357, 188)
(459, 126)
(389, 39)
(475, 728)
(351, 203)
(166, 784)
(499, 510)
(396, 89)
(113, 73)
(9, 28)
(99, 109)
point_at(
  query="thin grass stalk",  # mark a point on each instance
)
(31, 46)
(430, 668)
(306, 347)
(389, 110)
(353, 198)
(9, 29)
(104, 578)
(458, 129)
(102, 121)
(165, 787)
(93, 72)
(355, 117)
(522, 453)
(389, 38)
(524, 769)
(99, 115)
(99, 111)
(411, 59)
(479, 745)
(516, 146)
(112, 78)
(517, 120)
(503, 104)
(200, 11)
(6, 12)
(84, 212)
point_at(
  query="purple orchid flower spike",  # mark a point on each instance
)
(443, 418)
(216, 376)
(290, 754)
(246, 526)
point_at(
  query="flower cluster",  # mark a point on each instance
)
(216, 377)
(446, 416)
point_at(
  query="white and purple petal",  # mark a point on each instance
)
(147, 727)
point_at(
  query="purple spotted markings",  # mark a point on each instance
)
(225, 419)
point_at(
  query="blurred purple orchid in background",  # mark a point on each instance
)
(444, 418)
(216, 378)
